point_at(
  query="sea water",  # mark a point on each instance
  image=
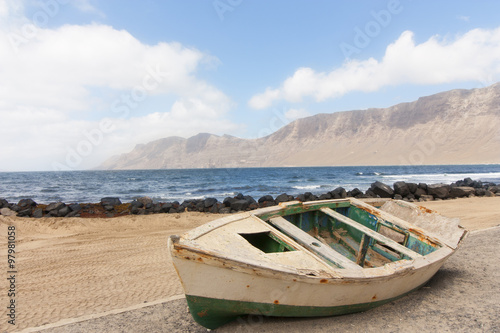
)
(178, 185)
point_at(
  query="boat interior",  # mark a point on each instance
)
(343, 234)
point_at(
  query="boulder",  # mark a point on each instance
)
(26, 212)
(75, 207)
(480, 192)
(493, 188)
(7, 212)
(423, 186)
(461, 191)
(165, 207)
(136, 204)
(401, 188)
(266, 198)
(63, 211)
(239, 205)
(38, 213)
(26, 203)
(225, 210)
(489, 194)
(250, 199)
(301, 198)
(228, 201)
(412, 187)
(356, 193)
(382, 190)
(4, 203)
(54, 206)
(209, 202)
(110, 201)
(156, 208)
(339, 193)
(282, 198)
(419, 192)
(440, 191)
(147, 202)
(325, 196)
(370, 194)
(426, 197)
(310, 197)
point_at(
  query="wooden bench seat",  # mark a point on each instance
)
(313, 244)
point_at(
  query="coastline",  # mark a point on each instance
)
(76, 268)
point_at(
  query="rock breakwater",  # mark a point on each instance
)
(113, 207)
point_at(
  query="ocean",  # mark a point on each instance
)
(178, 185)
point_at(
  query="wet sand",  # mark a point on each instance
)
(115, 275)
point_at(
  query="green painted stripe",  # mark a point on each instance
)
(212, 312)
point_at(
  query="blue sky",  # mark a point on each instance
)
(83, 80)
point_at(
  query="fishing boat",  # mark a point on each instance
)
(305, 259)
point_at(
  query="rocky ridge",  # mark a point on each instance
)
(453, 127)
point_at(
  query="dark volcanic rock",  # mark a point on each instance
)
(412, 187)
(240, 205)
(282, 198)
(146, 201)
(75, 207)
(24, 212)
(489, 194)
(136, 204)
(37, 213)
(4, 203)
(266, 198)
(441, 191)
(165, 207)
(339, 193)
(355, 193)
(54, 206)
(110, 201)
(401, 188)
(26, 203)
(382, 190)
(63, 211)
(325, 196)
(419, 192)
(301, 197)
(228, 201)
(461, 191)
(209, 202)
(480, 192)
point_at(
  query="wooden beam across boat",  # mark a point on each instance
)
(373, 234)
(312, 243)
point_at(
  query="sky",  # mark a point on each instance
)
(83, 80)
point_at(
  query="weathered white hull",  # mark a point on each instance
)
(220, 287)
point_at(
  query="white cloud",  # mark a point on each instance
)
(294, 114)
(56, 86)
(470, 57)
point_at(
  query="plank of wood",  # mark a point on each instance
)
(312, 243)
(373, 234)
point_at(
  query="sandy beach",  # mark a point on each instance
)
(73, 272)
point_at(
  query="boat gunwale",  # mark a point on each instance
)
(334, 273)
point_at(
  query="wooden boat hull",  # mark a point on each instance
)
(250, 290)
(220, 288)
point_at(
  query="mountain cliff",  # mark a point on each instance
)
(453, 127)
